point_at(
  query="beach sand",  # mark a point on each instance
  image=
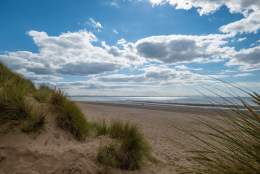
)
(167, 130)
(56, 152)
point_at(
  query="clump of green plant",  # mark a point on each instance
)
(119, 130)
(108, 155)
(43, 94)
(69, 116)
(101, 128)
(130, 150)
(15, 108)
(12, 103)
(232, 144)
(35, 121)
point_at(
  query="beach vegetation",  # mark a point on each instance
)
(15, 104)
(230, 144)
(68, 116)
(101, 128)
(43, 94)
(35, 120)
(130, 149)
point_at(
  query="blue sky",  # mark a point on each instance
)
(160, 47)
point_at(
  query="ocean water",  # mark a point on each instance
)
(190, 100)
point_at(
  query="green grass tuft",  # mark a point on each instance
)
(101, 128)
(130, 151)
(35, 121)
(43, 94)
(108, 155)
(15, 107)
(69, 116)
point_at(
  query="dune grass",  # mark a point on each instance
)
(101, 128)
(231, 145)
(69, 117)
(14, 104)
(43, 94)
(129, 149)
(35, 120)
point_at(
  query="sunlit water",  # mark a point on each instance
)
(195, 101)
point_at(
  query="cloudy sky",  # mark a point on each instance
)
(133, 47)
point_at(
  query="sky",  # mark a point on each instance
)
(133, 47)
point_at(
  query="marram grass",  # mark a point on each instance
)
(68, 116)
(231, 146)
(128, 151)
(15, 106)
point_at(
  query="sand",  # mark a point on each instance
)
(56, 152)
(166, 130)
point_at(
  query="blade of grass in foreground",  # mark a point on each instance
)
(231, 145)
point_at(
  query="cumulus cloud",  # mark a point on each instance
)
(210, 6)
(69, 53)
(250, 24)
(107, 67)
(184, 48)
(248, 59)
(249, 8)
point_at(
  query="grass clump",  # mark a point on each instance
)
(34, 122)
(101, 128)
(232, 146)
(15, 106)
(130, 150)
(43, 94)
(108, 155)
(12, 103)
(69, 116)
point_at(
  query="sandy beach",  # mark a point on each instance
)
(56, 152)
(164, 129)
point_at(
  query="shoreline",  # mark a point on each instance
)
(182, 108)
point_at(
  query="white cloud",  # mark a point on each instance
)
(241, 39)
(248, 59)
(144, 61)
(249, 24)
(249, 8)
(210, 6)
(66, 54)
(95, 24)
(184, 48)
(115, 31)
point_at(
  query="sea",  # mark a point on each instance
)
(190, 101)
